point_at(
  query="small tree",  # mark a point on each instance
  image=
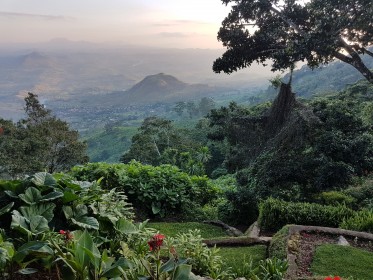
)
(316, 31)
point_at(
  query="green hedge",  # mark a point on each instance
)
(153, 190)
(278, 245)
(275, 213)
(360, 221)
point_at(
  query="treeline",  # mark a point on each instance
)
(287, 149)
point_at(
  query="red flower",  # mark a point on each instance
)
(330, 278)
(68, 235)
(156, 242)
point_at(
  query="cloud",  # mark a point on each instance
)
(35, 16)
(173, 34)
(178, 22)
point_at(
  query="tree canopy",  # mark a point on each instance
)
(39, 142)
(316, 31)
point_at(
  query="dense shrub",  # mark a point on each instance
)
(275, 213)
(360, 221)
(155, 191)
(362, 194)
(335, 198)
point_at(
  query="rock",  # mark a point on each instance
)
(342, 241)
(253, 230)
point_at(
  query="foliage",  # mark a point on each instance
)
(335, 198)
(278, 245)
(80, 258)
(39, 142)
(158, 141)
(6, 253)
(205, 261)
(155, 191)
(205, 105)
(360, 221)
(44, 201)
(316, 31)
(275, 213)
(362, 194)
(310, 148)
(356, 260)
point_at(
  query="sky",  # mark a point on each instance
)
(161, 23)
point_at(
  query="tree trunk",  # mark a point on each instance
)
(355, 61)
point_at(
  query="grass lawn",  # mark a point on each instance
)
(235, 256)
(171, 229)
(343, 261)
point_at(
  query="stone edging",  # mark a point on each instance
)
(236, 241)
(295, 230)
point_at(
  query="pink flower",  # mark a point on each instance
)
(156, 242)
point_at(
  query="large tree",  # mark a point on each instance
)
(315, 31)
(40, 142)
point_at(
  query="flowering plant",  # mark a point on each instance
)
(174, 269)
(332, 278)
(156, 242)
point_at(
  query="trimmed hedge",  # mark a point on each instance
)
(276, 213)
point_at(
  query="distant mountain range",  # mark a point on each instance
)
(65, 70)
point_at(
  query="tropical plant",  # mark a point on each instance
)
(81, 259)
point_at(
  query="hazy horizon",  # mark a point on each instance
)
(166, 23)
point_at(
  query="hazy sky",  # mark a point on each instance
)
(166, 23)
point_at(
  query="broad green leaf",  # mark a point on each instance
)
(6, 208)
(68, 211)
(38, 224)
(43, 179)
(31, 196)
(86, 222)
(51, 196)
(168, 266)
(182, 272)
(80, 210)
(11, 194)
(45, 210)
(117, 269)
(83, 241)
(19, 222)
(69, 196)
(36, 248)
(126, 226)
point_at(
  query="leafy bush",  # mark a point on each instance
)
(156, 191)
(335, 198)
(205, 261)
(360, 221)
(43, 201)
(362, 194)
(275, 213)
